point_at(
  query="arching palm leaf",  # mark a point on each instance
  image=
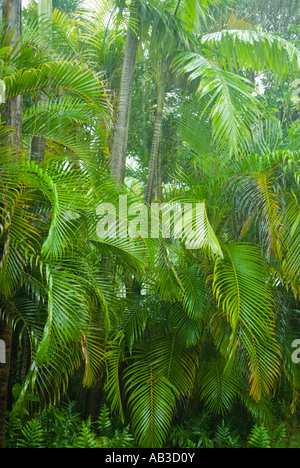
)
(251, 316)
(291, 264)
(151, 399)
(258, 195)
(71, 76)
(218, 388)
(256, 50)
(231, 107)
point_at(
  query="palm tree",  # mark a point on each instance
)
(33, 284)
(161, 90)
(52, 257)
(197, 332)
(171, 33)
(231, 91)
(75, 112)
(119, 147)
(232, 106)
(160, 325)
(142, 15)
(11, 13)
(209, 304)
(38, 144)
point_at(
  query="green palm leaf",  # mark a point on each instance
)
(291, 263)
(151, 399)
(177, 362)
(74, 77)
(113, 384)
(256, 50)
(218, 388)
(244, 297)
(259, 196)
(232, 107)
(198, 231)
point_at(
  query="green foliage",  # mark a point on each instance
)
(262, 437)
(224, 439)
(64, 428)
(123, 439)
(271, 51)
(219, 388)
(194, 432)
(86, 438)
(259, 438)
(164, 325)
(32, 435)
(151, 399)
(104, 421)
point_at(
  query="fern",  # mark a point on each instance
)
(104, 421)
(224, 438)
(32, 435)
(61, 426)
(278, 435)
(13, 431)
(259, 437)
(194, 433)
(123, 439)
(86, 437)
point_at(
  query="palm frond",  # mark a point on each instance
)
(195, 297)
(251, 317)
(198, 230)
(291, 264)
(232, 107)
(189, 330)
(255, 50)
(219, 389)
(113, 385)
(151, 399)
(258, 193)
(72, 76)
(177, 363)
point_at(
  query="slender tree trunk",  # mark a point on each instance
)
(159, 173)
(156, 155)
(12, 13)
(119, 147)
(157, 132)
(37, 148)
(38, 144)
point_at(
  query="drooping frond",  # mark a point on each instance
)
(259, 195)
(251, 316)
(218, 388)
(255, 50)
(151, 399)
(291, 264)
(232, 107)
(72, 76)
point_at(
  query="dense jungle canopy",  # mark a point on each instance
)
(174, 320)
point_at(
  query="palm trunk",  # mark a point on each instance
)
(119, 147)
(157, 133)
(159, 174)
(11, 12)
(37, 148)
(38, 144)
